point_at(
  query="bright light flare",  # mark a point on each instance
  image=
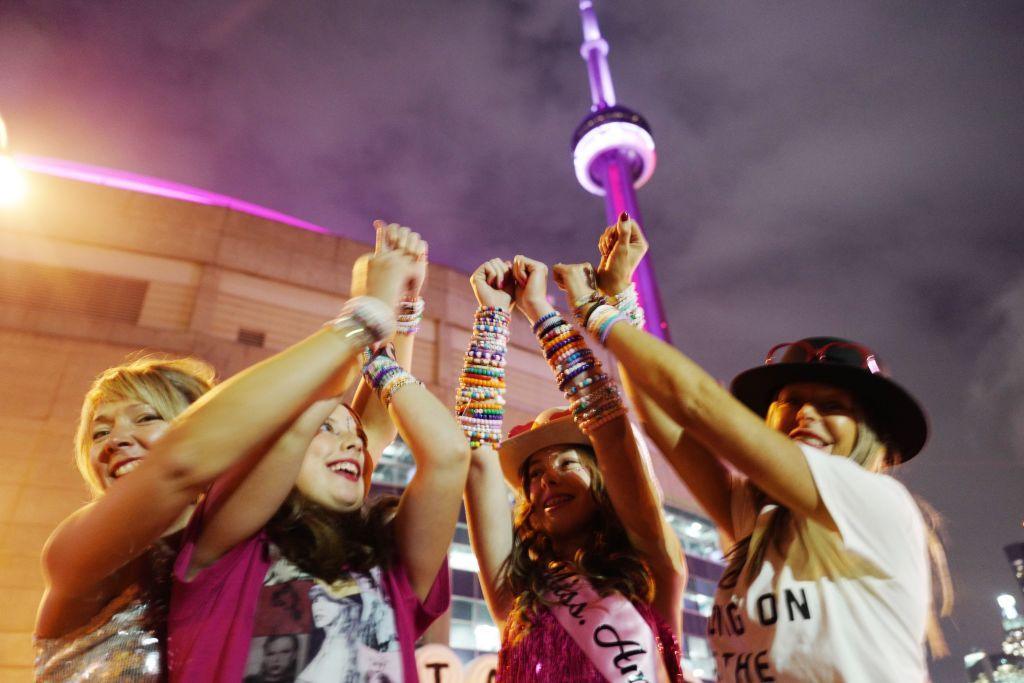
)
(1008, 605)
(488, 638)
(13, 186)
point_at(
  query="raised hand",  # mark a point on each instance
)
(576, 280)
(531, 293)
(395, 237)
(388, 272)
(622, 247)
(493, 284)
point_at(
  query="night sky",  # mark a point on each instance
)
(850, 169)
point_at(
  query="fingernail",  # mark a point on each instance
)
(623, 216)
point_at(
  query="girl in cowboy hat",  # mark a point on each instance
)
(586, 578)
(829, 575)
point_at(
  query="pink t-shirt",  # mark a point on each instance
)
(253, 613)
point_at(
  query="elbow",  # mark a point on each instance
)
(694, 400)
(183, 471)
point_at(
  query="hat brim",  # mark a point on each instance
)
(888, 405)
(513, 452)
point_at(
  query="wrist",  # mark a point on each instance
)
(536, 309)
(612, 286)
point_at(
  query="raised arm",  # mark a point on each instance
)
(429, 509)
(488, 512)
(244, 499)
(223, 426)
(380, 430)
(628, 478)
(622, 247)
(718, 420)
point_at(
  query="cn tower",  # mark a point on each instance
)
(613, 153)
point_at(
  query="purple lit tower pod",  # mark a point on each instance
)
(613, 153)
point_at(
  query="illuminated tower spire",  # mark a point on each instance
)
(613, 153)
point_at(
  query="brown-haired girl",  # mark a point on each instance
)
(586, 580)
(291, 544)
(152, 436)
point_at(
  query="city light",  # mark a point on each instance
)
(13, 186)
(1008, 605)
(488, 638)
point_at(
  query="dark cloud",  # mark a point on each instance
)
(845, 168)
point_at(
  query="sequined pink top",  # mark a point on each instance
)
(548, 654)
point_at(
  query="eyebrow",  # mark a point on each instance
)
(105, 417)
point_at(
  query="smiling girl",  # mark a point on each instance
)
(585, 579)
(282, 543)
(152, 437)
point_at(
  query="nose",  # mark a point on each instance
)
(347, 444)
(807, 413)
(117, 439)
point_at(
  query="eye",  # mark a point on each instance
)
(99, 434)
(148, 417)
(834, 407)
(327, 427)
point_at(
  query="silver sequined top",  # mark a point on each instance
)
(125, 641)
(118, 644)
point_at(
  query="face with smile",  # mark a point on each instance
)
(557, 483)
(818, 415)
(332, 471)
(122, 434)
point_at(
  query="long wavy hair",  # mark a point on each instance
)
(606, 558)
(329, 544)
(874, 452)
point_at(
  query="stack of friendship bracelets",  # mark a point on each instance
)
(598, 315)
(366, 316)
(628, 303)
(410, 314)
(382, 372)
(594, 398)
(480, 398)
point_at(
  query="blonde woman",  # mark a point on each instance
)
(829, 575)
(152, 436)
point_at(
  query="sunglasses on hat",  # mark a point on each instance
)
(835, 352)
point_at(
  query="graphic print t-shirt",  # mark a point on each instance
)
(850, 606)
(311, 632)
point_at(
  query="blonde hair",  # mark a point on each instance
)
(168, 385)
(875, 454)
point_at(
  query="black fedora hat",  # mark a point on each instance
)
(845, 364)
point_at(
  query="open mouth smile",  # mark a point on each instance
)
(556, 501)
(124, 467)
(347, 468)
(810, 438)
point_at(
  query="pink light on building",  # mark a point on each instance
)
(109, 177)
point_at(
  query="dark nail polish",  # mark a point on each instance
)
(623, 216)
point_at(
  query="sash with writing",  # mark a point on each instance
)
(611, 632)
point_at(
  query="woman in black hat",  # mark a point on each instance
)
(829, 575)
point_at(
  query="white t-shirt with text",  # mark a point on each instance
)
(850, 606)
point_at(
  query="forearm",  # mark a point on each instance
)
(377, 423)
(254, 405)
(489, 517)
(717, 420)
(663, 430)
